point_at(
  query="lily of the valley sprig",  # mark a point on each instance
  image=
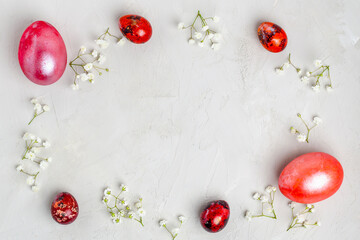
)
(120, 208)
(200, 31)
(38, 109)
(34, 145)
(174, 232)
(87, 63)
(267, 204)
(317, 74)
(301, 137)
(299, 220)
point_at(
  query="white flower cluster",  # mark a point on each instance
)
(267, 204)
(34, 145)
(317, 74)
(175, 231)
(300, 219)
(202, 33)
(120, 208)
(301, 137)
(38, 108)
(84, 69)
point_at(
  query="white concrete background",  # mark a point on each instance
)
(181, 125)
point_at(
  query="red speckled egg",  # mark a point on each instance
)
(42, 53)
(215, 216)
(311, 178)
(64, 208)
(272, 37)
(135, 28)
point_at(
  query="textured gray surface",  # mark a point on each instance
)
(181, 125)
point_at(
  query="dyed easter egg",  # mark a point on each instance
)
(135, 28)
(42, 53)
(272, 37)
(215, 216)
(64, 208)
(311, 178)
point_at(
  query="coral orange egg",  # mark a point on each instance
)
(272, 37)
(311, 178)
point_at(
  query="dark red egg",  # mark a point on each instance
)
(272, 37)
(64, 208)
(42, 53)
(311, 178)
(135, 28)
(215, 216)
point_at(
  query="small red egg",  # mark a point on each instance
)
(272, 37)
(42, 53)
(64, 208)
(311, 178)
(215, 216)
(135, 28)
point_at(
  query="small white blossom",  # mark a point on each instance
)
(317, 63)
(105, 200)
(75, 86)
(162, 223)
(141, 212)
(103, 44)
(82, 49)
(216, 19)
(84, 77)
(304, 79)
(123, 201)
(35, 188)
(107, 192)
(30, 180)
(264, 199)
(27, 136)
(292, 204)
(215, 46)
(191, 41)
(210, 36)
(300, 218)
(292, 130)
(318, 223)
(312, 210)
(256, 196)
(308, 74)
(90, 76)
(274, 189)
(316, 88)
(181, 25)
(175, 231)
(182, 219)
(248, 215)
(46, 144)
(309, 206)
(205, 28)
(88, 66)
(121, 42)
(131, 215)
(299, 71)
(329, 88)
(46, 108)
(19, 168)
(124, 188)
(317, 120)
(38, 108)
(49, 159)
(117, 220)
(30, 155)
(269, 189)
(101, 59)
(138, 205)
(34, 101)
(286, 65)
(43, 164)
(38, 140)
(197, 35)
(122, 213)
(201, 44)
(279, 71)
(301, 137)
(94, 53)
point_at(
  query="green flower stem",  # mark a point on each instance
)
(307, 127)
(35, 115)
